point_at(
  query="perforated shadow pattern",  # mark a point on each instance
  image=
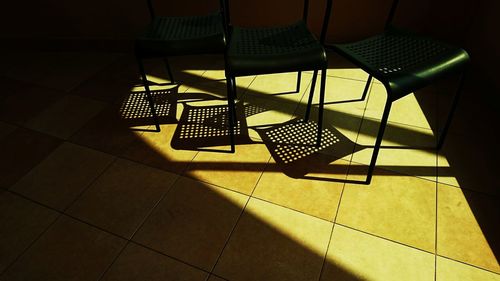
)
(206, 122)
(136, 105)
(390, 53)
(251, 109)
(297, 140)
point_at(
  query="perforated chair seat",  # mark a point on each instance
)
(403, 61)
(182, 36)
(260, 50)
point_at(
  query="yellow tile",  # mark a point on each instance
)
(154, 149)
(59, 179)
(448, 270)
(468, 228)
(353, 255)
(274, 243)
(261, 112)
(394, 206)
(139, 263)
(279, 87)
(193, 222)
(216, 72)
(238, 171)
(404, 149)
(66, 116)
(314, 195)
(339, 91)
(344, 116)
(414, 110)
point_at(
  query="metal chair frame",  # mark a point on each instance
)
(391, 98)
(231, 81)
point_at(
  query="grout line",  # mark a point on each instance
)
(343, 189)
(468, 264)
(437, 190)
(23, 252)
(383, 238)
(61, 213)
(237, 221)
(169, 189)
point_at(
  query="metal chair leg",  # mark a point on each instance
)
(169, 71)
(321, 103)
(231, 110)
(378, 141)
(311, 94)
(299, 78)
(148, 94)
(367, 86)
(444, 131)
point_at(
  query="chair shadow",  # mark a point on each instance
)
(202, 127)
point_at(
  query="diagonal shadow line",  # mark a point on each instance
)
(401, 131)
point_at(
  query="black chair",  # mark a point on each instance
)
(403, 62)
(175, 36)
(277, 49)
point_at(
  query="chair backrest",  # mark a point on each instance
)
(305, 14)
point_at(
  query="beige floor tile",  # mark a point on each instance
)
(193, 222)
(203, 93)
(61, 70)
(414, 110)
(405, 149)
(274, 243)
(67, 250)
(20, 101)
(316, 197)
(138, 263)
(468, 228)
(260, 112)
(448, 270)
(216, 72)
(353, 255)
(21, 151)
(279, 87)
(154, 149)
(108, 132)
(122, 197)
(6, 129)
(21, 223)
(66, 116)
(63, 175)
(238, 171)
(341, 92)
(469, 163)
(396, 207)
(343, 116)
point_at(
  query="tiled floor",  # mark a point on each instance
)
(89, 191)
